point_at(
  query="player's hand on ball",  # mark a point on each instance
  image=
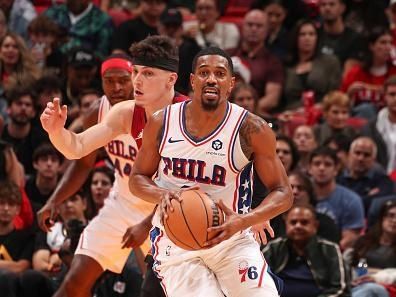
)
(53, 118)
(233, 223)
(165, 205)
(259, 233)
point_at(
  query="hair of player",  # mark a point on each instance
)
(213, 51)
(154, 48)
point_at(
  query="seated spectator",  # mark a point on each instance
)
(46, 88)
(208, 30)
(308, 265)
(382, 129)
(81, 74)
(276, 40)
(245, 96)
(170, 25)
(19, 14)
(87, 98)
(378, 248)
(19, 131)
(44, 40)
(83, 24)
(303, 194)
(362, 176)
(363, 83)
(47, 162)
(16, 248)
(307, 68)
(287, 152)
(336, 106)
(336, 38)
(304, 138)
(266, 69)
(46, 256)
(3, 24)
(138, 28)
(16, 65)
(344, 206)
(340, 143)
(100, 183)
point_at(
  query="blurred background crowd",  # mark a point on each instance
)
(321, 72)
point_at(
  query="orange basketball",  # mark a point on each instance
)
(187, 225)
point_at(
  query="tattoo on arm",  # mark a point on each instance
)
(251, 125)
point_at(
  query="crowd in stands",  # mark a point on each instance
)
(322, 73)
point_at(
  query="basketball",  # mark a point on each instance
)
(187, 225)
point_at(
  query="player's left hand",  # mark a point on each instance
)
(232, 224)
(259, 233)
(135, 236)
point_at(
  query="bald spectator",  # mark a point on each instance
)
(84, 24)
(382, 129)
(362, 175)
(140, 27)
(266, 69)
(208, 30)
(344, 206)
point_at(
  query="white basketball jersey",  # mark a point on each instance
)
(216, 163)
(122, 151)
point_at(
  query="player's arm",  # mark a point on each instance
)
(147, 160)
(259, 143)
(74, 146)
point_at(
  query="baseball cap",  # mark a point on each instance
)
(171, 16)
(79, 57)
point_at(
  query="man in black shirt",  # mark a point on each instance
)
(139, 28)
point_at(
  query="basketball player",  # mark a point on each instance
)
(155, 63)
(214, 144)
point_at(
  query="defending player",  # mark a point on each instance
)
(214, 145)
(155, 63)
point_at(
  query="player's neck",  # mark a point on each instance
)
(164, 101)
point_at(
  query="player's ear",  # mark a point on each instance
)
(192, 81)
(172, 79)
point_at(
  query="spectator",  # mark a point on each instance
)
(336, 107)
(382, 129)
(140, 27)
(304, 138)
(16, 248)
(81, 71)
(307, 68)
(364, 83)
(19, 14)
(244, 95)
(83, 24)
(20, 132)
(287, 152)
(100, 183)
(276, 40)
(340, 143)
(341, 204)
(44, 41)
(208, 30)
(16, 65)
(47, 246)
(303, 194)
(39, 187)
(266, 70)
(170, 25)
(46, 88)
(361, 174)
(378, 248)
(3, 24)
(338, 39)
(87, 98)
(308, 265)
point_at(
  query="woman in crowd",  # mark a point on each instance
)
(100, 183)
(363, 83)
(378, 248)
(245, 96)
(287, 152)
(304, 138)
(308, 70)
